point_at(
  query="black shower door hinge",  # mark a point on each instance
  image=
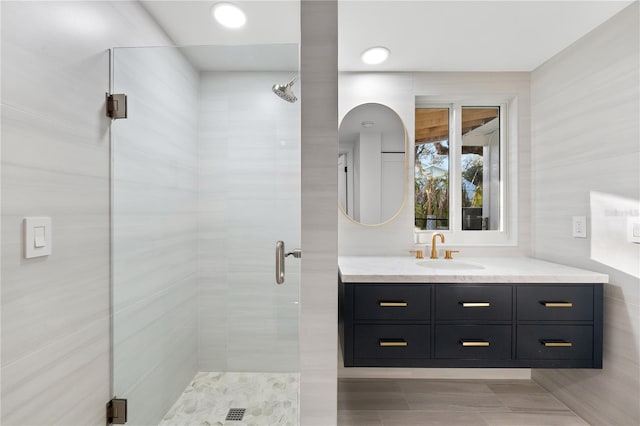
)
(116, 106)
(117, 412)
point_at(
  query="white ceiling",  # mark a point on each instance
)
(422, 35)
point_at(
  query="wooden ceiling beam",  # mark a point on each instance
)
(432, 124)
(469, 114)
(433, 133)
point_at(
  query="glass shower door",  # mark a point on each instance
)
(205, 180)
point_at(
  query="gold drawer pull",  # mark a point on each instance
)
(556, 344)
(474, 343)
(475, 304)
(557, 304)
(393, 304)
(393, 343)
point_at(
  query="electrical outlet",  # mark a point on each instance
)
(580, 226)
(633, 229)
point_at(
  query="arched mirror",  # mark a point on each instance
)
(372, 164)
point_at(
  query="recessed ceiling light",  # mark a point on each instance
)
(375, 55)
(229, 15)
(367, 124)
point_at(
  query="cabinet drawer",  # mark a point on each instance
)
(555, 303)
(392, 302)
(391, 341)
(554, 342)
(473, 341)
(479, 302)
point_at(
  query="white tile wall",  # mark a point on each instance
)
(154, 217)
(249, 198)
(396, 237)
(55, 162)
(585, 123)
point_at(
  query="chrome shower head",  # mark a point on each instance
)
(284, 90)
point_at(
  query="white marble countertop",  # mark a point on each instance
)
(372, 269)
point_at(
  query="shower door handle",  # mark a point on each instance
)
(280, 255)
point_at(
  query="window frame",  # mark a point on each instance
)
(506, 235)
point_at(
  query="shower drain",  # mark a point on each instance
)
(235, 414)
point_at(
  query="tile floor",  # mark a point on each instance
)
(269, 399)
(409, 402)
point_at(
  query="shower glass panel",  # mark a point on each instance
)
(205, 180)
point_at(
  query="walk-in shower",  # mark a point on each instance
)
(205, 180)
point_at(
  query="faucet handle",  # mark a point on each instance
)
(418, 253)
(447, 253)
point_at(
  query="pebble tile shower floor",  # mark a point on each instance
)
(269, 399)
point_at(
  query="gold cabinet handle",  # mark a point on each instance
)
(557, 304)
(556, 344)
(474, 343)
(475, 304)
(393, 343)
(393, 304)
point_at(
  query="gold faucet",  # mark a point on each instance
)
(448, 254)
(434, 252)
(418, 253)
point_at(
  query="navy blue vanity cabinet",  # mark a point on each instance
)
(386, 324)
(471, 325)
(559, 325)
(473, 322)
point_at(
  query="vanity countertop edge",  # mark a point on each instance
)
(396, 269)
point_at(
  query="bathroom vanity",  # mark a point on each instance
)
(482, 312)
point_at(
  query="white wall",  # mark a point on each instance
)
(55, 162)
(155, 230)
(249, 198)
(585, 111)
(396, 237)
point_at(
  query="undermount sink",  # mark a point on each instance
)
(450, 265)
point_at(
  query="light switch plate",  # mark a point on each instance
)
(37, 236)
(580, 226)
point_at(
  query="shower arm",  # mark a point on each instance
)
(292, 81)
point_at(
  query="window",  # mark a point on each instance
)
(432, 168)
(460, 170)
(480, 168)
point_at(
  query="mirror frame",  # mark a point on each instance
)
(405, 172)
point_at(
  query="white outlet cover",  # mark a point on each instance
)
(580, 226)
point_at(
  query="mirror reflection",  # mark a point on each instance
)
(371, 164)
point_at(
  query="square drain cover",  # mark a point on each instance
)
(235, 413)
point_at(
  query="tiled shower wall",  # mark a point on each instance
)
(55, 162)
(586, 138)
(249, 198)
(154, 215)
